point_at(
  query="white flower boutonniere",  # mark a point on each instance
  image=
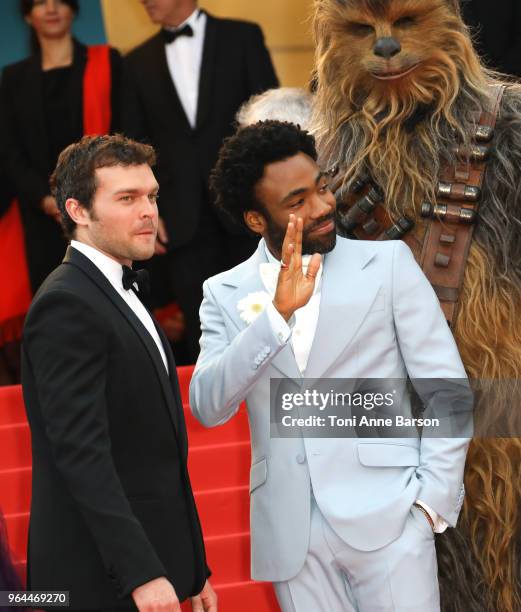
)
(251, 306)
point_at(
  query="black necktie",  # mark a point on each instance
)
(136, 276)
(170, 35)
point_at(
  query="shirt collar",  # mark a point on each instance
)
(109, 267)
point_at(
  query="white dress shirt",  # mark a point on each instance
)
(184, 56)
(302, 333)
(113, 271)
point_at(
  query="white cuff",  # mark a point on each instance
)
(439, 524)
(280, 327)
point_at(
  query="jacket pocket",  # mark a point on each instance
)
(258, 474)
(388, 454)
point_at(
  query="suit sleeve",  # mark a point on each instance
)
(68, 352)
(260, 72)
(226, 371)
(132, 113)
(29, 185)
(435, 368)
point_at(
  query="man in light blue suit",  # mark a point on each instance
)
(337, 523)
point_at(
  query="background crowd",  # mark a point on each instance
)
(180, 90)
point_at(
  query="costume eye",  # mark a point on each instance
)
(405, 21)
(361, 29)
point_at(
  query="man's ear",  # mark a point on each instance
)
(255, 221)
(77, 212)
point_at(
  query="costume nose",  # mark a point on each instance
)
(387, 47)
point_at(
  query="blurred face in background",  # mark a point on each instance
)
(50, 18)
(169, 12)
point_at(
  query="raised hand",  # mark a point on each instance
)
(294, 288)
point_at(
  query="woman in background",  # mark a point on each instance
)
(47, 101)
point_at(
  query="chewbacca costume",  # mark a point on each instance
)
(400, 95)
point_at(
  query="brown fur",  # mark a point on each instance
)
(398, 130)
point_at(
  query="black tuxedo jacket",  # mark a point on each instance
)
(112, 506)
(235, 65)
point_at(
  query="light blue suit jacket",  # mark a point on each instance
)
(379, 318)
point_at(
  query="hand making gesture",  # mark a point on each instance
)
(294, 288)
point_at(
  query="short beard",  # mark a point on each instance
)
(321, 245)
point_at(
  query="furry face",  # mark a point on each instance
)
(394, 45)
(380, 64)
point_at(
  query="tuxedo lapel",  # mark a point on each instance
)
(177, 415)
(346, 297)
(207, 72)
(163, 82)
(245, 281)
(77, 259)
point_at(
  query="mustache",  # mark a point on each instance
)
(146, 227)
(312, 226)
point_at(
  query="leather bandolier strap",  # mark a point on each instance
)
(441, 245)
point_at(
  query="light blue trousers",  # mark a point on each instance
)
(400, 577)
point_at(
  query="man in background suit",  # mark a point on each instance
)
(338, 523)
(182, 90)
(113, 518)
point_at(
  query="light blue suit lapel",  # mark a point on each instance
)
(340, 317)
(243, 281)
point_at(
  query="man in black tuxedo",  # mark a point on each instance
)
(497, 29)
(182, 90)
(113, 518)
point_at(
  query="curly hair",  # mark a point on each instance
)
(75, 172)
(244, 156)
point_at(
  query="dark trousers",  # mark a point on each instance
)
(189, 266)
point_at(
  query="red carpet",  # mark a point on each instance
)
(219, 467)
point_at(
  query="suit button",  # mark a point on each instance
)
(301, 458)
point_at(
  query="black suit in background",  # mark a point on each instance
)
(41, 112)
(112, 506)
(497, 29)
(235, 65)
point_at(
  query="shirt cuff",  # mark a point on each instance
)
(280, 327)
(440, 525)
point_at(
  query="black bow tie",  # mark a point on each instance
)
(136, 276)
(170, 35)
